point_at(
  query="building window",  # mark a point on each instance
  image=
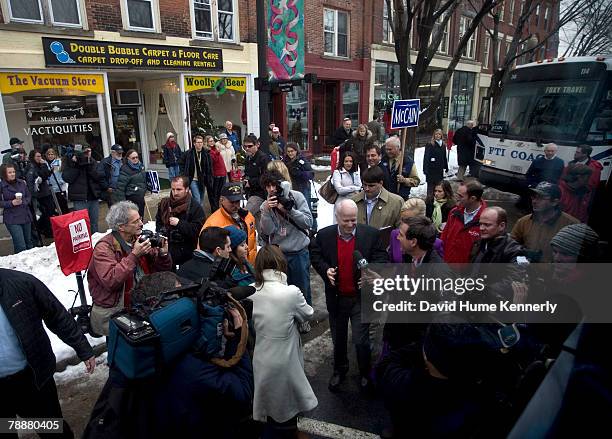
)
(387, 24)
(546, 18)
(350, 101)
(501, 11)
(443, 47)
(511, 12)
(461, 101)
(470, 49)
(140, 15)
(213, 19)
(335, 26)
(65, 13)
(486, 53)
(537, 15)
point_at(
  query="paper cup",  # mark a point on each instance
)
(18, 195)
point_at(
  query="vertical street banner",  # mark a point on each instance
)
(285, 51)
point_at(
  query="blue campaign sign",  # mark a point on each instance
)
(405, 113)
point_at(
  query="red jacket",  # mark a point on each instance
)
(218, 164)
(110, 270)
(576, 203)
(458, 237)
(595, 175)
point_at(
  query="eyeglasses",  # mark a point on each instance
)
(248, 146)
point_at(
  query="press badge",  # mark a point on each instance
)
(282, 231)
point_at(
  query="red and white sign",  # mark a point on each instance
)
(72, 241)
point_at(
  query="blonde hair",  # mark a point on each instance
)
(433, 136)
(278, 165)
(415, 205)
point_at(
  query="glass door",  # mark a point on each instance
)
(127, 130)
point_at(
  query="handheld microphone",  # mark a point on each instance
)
(360, 261)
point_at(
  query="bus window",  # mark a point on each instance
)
(601, 128)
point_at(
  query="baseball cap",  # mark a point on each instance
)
(547, 189)
(15, 141)
(232, 191)
(117, 148)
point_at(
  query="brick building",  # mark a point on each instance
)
(100, 72)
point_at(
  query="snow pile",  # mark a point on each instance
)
(42, 263)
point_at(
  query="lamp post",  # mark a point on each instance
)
(262, 84)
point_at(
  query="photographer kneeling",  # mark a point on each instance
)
(120, 260)
(285, 221)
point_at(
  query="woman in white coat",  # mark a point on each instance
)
(282, 390)
(346, 179)
(224, 145)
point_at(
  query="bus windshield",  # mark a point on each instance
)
(545, 110)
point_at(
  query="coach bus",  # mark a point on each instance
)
(566, 101)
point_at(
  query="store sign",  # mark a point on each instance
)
(64, 52)
(219, 84)
(43, 130)
(17, 82)
(285, 51)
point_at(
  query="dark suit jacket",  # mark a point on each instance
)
(324, 253)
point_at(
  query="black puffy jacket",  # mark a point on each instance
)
(84, 179)
(27, 302)
(34, 171)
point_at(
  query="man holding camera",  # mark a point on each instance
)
(180, 219)
(17, 157)
(285, 221)
(214, 243)
(120, 260)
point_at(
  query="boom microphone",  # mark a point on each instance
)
(359, 260)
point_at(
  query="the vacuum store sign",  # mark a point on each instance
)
(64, 52)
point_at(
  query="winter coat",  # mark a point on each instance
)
(234, 139)
(445, 208)
(301, 173)
(277, 147)
(272, 222)
(340, 136)
(409, 171)
(183, 237)
(55, 180)
(84, 180)
(377, 129)
(220, 218)
(228, 154)
(359, 144)
(459, 237)
(27, 302)
(576, 202)
(218, 163)
(535, 235)
(197, 268)
(434, 163)
(189, 167)
(395, 249)
(281, 387)
(254, 168)
(595, 175)
(110, 269)
(499, 250)
(171, 156)
(465, 139)
(542, 169)
(131, 183)
(385, 213)
(34, 171)
(15, 214)
(345, 183)
(106, 166)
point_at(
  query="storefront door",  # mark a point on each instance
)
(127, 130)
(324, 115)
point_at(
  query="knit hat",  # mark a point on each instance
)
(576, 239)
(236, 236)
(222, 136)
(169, 135)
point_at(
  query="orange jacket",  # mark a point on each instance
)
(220, 218)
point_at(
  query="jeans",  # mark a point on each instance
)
(28, 401)
(196, 193)
(93, 208)
(298, 271)
(22, 236)
(341, 309)
(215, 193)
(174, 171)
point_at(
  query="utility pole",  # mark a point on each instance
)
(262, 84)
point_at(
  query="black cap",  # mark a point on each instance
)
(548, 190)
(232, 191)
(117, 148)
(15, 141)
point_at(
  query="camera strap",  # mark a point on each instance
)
(293, 223)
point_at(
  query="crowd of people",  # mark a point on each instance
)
(436, 379)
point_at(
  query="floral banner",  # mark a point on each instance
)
(285, 19)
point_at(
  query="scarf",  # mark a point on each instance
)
(135, 166)
(436, 215)
(171, 145)
(170, 206)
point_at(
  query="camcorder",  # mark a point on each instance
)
(283, 194)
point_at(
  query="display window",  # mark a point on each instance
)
(56, 109)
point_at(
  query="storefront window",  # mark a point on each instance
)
(428, 88)
(386, 85)
(461, 101)
(350, 101)
(55, 109)
(214, 100)
(297, 116)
